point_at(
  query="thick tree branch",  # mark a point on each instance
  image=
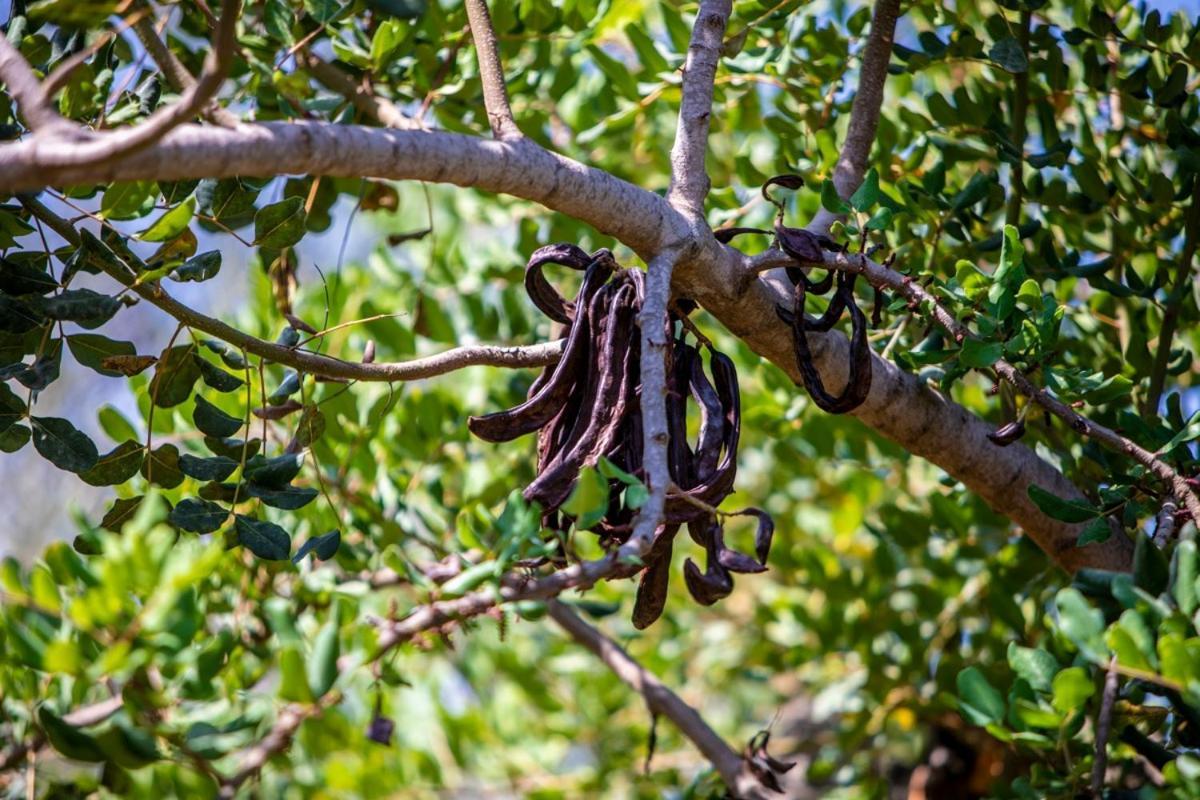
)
(491, 72)
(689, 179)
(520, 168)
(864, 111)
(360, 95)
(884, 277)
(904, 409)
(662, 701)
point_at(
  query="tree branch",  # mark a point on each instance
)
(864, 112)
(57, 151)
(655, 348)
(520, 168)
(278, 739)
(904, 409)
(491, 72)
(35, 107)
(661, 700)
(177, 75)
(360, 95)
(1175, 301)
(1103, 728)
(538, 355)
(689, 180)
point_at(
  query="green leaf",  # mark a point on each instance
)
(12, 408)
(58, 441)
(116, 466)
(198, 268)
(90, 350)
(979, 354)
(404, 9)
(1081, 623)
(1150, 568)
(1184, 588)
(1008, 55)
(83, 306)
(1035, 665)
(289, 498)
(1096, 531)
(115, 426)
(18, 278)
(66, 738)
(215, 377)
(980, 702)
(212, 421)
(322, 667)
(128, 199)
(174, 376)
(1060, 509)
(310, 427)
(1072, 688)
(324, 547)
(273, 473)
(830, 199)
(293, 682)
(123, 510)
(881, 220)
(280, 225)
(266, 540)
(161, 466)
(14, 439)
(233, 448)
(217, 468)
(198, 516)
(868, 193)
(171, 223)
(588, 501)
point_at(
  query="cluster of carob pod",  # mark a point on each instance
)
(587, 406)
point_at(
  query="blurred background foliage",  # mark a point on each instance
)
(905, 633)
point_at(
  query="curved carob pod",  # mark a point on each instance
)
(762, 764)
(541, 408)
(715, 582)
(655, 581)
(545, 296)
(858, 382)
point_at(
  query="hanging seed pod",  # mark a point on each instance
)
(587, 407)
(858, 382)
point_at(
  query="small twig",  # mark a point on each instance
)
(661, 700)
(277, 740)
(491, 72)
(360, 95)
(1103, 728)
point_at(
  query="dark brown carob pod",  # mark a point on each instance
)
(858, 381)
(587, 407)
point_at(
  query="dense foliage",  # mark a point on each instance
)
(1035, 170)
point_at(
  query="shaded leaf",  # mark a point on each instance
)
(212, 421)
(174, 376)
(280, 224)
(217, 468)
(266, 540)
(91, 350)
(116, 466)
(60, 443)
(324, 547)
(198, 516)
(161, 466)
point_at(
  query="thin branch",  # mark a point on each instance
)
(360, 95)
(176, 73)
(655, 348)
(491, 72)
(277, 740)
(919, 297)
(32, 103)
(1103, 728)
(661, 701)
(538, 355)
(864, 112)
(689, 180)
(1164, 524)
(1020, 109)
(1175, 301)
